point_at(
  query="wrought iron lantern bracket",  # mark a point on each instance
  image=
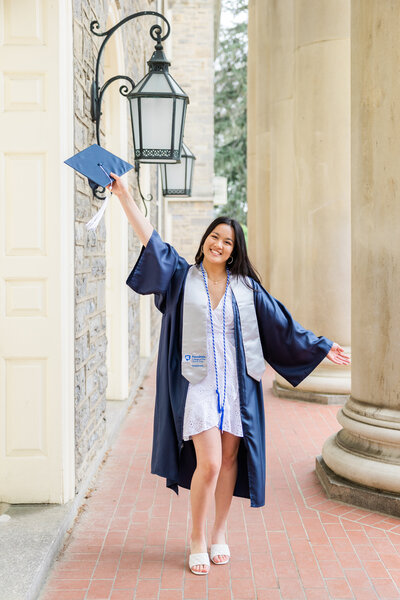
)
(98, 93)
(149, 197)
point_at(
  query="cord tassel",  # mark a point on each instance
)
(219, 400)
(221, 423)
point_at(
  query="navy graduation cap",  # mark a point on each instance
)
(96, 164)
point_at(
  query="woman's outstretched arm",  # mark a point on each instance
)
(141, 225)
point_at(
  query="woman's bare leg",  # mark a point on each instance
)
(224, 489)
(208, 455)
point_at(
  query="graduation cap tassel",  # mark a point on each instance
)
(95, 220)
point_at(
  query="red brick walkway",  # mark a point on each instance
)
(131, 538)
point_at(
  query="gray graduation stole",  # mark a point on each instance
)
(194, 331)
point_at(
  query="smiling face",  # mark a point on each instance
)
(218, 246)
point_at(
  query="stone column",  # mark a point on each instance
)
(367, 450)
(320, 171)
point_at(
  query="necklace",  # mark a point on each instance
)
(215, 280)
(221, 406)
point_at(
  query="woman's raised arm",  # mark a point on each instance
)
(141, 225)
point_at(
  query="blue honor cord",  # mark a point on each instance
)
(221, 407)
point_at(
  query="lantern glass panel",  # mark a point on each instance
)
(139, 85)
(156, 122)
(163, 182)
(176, 176)
(178, 121)
(189, 172)
(135, 121)
(156, 83)
(175, 86)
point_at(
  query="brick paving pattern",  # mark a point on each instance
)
(130, 540)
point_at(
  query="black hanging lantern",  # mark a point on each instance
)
(158, 110)
(177, 179)
(157, 103)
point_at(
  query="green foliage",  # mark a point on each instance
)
(230, 110)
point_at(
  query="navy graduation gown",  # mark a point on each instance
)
(291, 350)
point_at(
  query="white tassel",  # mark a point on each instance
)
(95, 220)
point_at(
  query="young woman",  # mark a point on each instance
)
(219, 326)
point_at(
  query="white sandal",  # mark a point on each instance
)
(201, 558)
(219, 549)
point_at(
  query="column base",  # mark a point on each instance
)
(338, 488)
(308, 395)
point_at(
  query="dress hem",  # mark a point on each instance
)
(187, 439)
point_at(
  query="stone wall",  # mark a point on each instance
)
(192, 58)
(90, 259)
(187, 222)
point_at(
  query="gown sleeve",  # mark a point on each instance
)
(291, 350)
(154, 269)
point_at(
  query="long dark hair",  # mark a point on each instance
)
(241, 264)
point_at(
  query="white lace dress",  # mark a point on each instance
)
(201, 410)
